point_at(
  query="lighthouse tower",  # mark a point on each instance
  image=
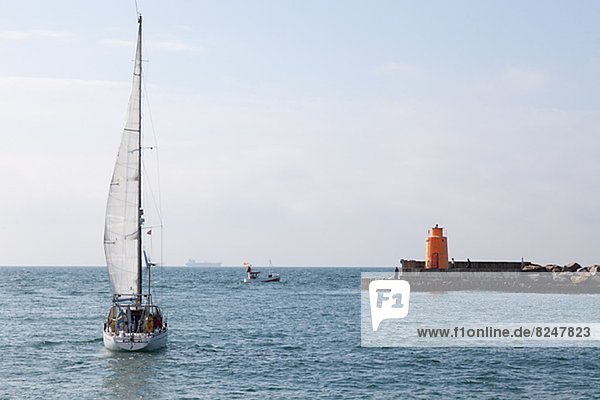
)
(437, 249)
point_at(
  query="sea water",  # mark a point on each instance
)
(298, 339)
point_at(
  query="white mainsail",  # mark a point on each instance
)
(122, 221)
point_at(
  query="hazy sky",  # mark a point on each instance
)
(308, 132)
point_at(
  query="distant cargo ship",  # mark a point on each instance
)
(193, 263)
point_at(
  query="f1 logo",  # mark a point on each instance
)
(389, 299)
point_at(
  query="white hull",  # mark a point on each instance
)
(135, 341)
(274, 278)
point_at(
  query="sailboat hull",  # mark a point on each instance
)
(135, 341)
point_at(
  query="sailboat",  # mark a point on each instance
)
(133, 322)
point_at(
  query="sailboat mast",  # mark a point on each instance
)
(140, 209)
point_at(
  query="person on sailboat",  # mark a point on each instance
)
(158, 322)
(149, 324)
(248, 270)
(120, 323)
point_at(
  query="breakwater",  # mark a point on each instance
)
(504, 276)
(471, 266)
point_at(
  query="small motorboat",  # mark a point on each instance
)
(253, 276)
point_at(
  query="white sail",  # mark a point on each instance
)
(121, 227)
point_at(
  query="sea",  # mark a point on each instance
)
(298, 339)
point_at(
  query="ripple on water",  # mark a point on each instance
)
(296, 340)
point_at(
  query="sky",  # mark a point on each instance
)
(307, 132)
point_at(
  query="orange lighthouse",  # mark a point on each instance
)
(436, 249)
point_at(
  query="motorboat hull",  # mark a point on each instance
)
(271, 280)
(266, 280)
